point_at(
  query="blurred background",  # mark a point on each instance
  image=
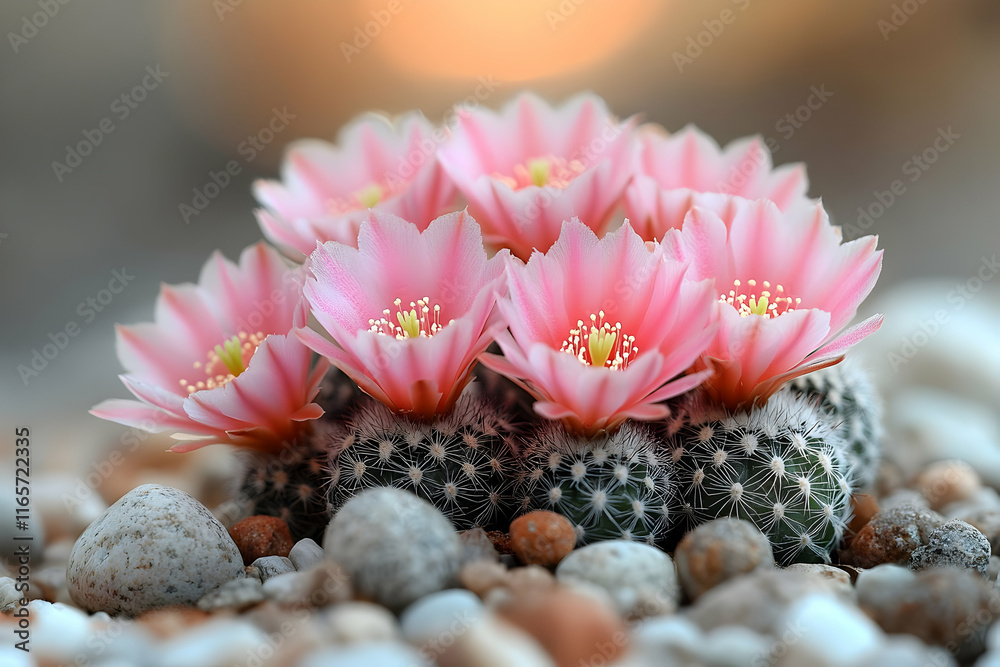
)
(165, 93)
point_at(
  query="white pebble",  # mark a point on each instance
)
(367, 655)
(360, 622)
(216, 643)
(305, 553)
(271, 566)
(830, 632)
(439, 618)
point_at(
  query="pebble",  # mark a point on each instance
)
(360, 622)
(482, 576)
(221, 641)
(58, 633)
(827, 632)
(237, 594)
(323, 584)
(863, 508)
(572, 628)
(172, 621)
(272, 566)
(477, 545)
(993, 569)
(956, 543)
(988, 523)
(305, 553)
(940, 606)
(435, 621)
(719, 550)
(901, 497)
(675, 640)
(945, 482)
(386, 654)
(501, 542)
(640, 578)
(395, 546)
(837, 577)
(759, 600)
(9, 595)
(494, 643)
(542, 538)
(529, 578)
(260, 536)
(155, 547)
(893, 534)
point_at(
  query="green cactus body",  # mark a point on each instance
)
(292, 484)
(610, 487)
(848, 396)
(778, 466)
(463, 462)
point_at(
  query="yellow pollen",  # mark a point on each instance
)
(224, 362)
(762, 302)
(370, 196)
(600, 343)
(542, 171)
(539, 170)
(421, 319)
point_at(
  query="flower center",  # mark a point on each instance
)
(762, 301)
(369, 196)
(600, 343)
(225, 361)
(421, 319)
(543, 171)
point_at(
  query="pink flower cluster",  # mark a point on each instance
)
(723, 274)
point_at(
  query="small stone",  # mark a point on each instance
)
(571, 627)
(169, 622)
(542, 538)
(986, 522)
(260, 536)
(58, 633)
(863, 508)
(759, 600)
(641, 579)
(221, 641)
(993, 569)
(893, 534)
(237, 594)
(834, 575)
(829, 632)
(946, 606)
(9, 595)
(945, 482)
(494, 643)
(719, 550)
(436, 620)
(501, 541)
(381, 654)
(529, 578)
(360, 622)
(395, 546)
(305, 554)
(477, 545)
(270, 566)
(323, 584)
(155, 547)
(957, 544)
(903, 497)
(482, 576)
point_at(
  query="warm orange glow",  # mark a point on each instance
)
(512, 40)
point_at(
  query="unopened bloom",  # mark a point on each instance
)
(787, 286)
(676, 172)
(326, 190)
(531, 166)
(602, 330)
(408, 311)
(217, 364)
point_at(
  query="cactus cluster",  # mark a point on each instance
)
(779, 466)
(848, 396)
(612, 486)
(462, 462)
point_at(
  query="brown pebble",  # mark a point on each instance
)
(542, 538)
(892, 535)
(863, 507)
(945, 482)
(573, 628)
(482, 576)
(260, 536)
(168, 622)
(501, 541)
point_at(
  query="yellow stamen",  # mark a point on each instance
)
(409, 322)
(762, 302)
(370, 196)
(420, 320)
(231, 354)
(600, 344)
(539, 170)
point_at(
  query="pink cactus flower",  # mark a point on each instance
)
(529, 167)
(603, 330)
(218, 365)
(408, 311)
(676, 172)
(788, 288)
(326, 189)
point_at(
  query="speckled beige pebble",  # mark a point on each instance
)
(155, 547)
(542, 538)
